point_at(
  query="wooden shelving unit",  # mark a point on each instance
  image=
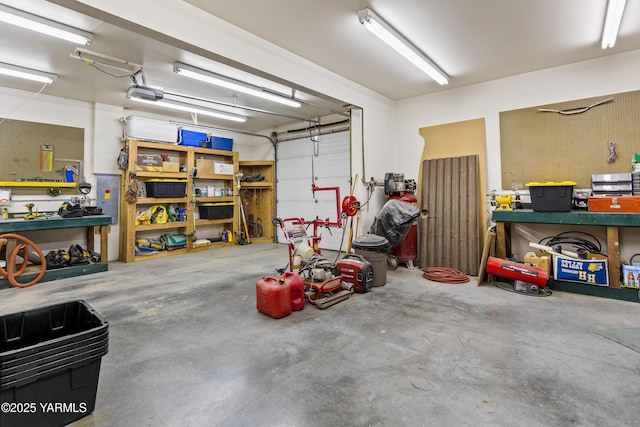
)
(187, 158)
(259, 197)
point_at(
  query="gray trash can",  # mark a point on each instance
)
(374, 249)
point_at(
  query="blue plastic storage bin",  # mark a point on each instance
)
(220, 143)
(192, 138)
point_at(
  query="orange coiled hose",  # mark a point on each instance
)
(22, 245)
(444, 275)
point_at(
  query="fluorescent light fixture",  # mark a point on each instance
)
(182, 106)
(226, 82)
(400, 44)
(615, 9)
(43, 25)
(27, 73)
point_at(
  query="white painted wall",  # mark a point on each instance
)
(602, 76)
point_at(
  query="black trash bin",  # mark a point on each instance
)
(374, 249)
(50, 363)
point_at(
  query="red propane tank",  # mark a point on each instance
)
(273, 297)
(296, 284)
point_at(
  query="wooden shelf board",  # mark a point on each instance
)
(161, 200)
(214, 221)
(162, 175)
(164, 226)
(259, 184)
(160, 254)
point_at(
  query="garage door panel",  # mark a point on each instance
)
(331, 168)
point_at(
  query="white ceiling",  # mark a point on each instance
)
(473, 41)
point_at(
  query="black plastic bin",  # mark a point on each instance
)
(50, 363)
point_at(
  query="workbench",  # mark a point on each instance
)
(612, 222)
(94, 224)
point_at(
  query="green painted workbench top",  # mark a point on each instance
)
(573, 218)
(15, 225)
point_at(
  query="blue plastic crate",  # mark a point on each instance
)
(220, 143)
(193, 138)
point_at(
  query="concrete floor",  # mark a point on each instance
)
(189, 348)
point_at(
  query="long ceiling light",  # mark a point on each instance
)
(27, 73)
(183, 106)
(226, 82)
(400, 44)
(43, 25)
(615, 9)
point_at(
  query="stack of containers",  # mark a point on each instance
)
(49, 356)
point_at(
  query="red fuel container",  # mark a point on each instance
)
(273, 297)
(296, 284)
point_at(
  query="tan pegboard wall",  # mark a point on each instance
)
(549, 146)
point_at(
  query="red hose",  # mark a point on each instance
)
(444, 275)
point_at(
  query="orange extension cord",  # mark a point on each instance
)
(444, 275)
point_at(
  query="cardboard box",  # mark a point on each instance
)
(170, 167)
(223, 168)
(204, 166)
(539, 259)
(149, 162)
(631, 276)
(591, 271)
(614, 204)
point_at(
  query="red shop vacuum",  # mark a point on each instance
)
(528, 279)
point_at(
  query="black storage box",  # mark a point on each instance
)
(215, 210)
(50, 363)
(551, 196)
(166, 188)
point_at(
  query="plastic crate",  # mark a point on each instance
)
(166, 188)
(53, 326)
(220, 143)
(51, 356)
(551, 196)
(193, 138)
(215, 210)
(74, 386)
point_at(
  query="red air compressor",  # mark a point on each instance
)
(396, 187)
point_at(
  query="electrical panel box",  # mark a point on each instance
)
(108, 195)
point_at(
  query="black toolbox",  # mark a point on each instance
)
(215, 210)
(166, 188)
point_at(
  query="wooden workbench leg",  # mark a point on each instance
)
(104, 243)
(91, 241)
(503, 239)
(613, 249)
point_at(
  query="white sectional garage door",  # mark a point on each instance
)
(331, 169)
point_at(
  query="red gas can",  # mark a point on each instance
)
(296, 284)
(273, 297)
